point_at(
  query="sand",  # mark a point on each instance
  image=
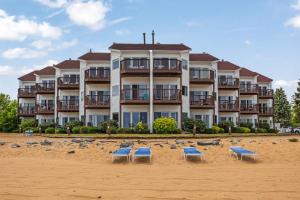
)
(37, 172)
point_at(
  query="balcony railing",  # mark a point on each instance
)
(97, 75)
(167, 96)
(68, 105)
(265, 93)
(26, 92)
(202, 101)
(135, 66)
(68, 82)
(166, 67)
(248, 88)
(45, 88)
(26, 111)
(229, 105)
(135, 96)
(228, 83)
(45, 109)
(201, 76)
(97, 101)
(249, 109)
(266, 111)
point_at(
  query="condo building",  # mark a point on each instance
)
(141, 82)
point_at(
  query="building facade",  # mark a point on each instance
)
(141, 82)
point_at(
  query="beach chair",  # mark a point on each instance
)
(239, 151)
(121, 152)
(191, 152)
(142, 152)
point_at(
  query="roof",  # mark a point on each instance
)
(202, 57)
(28, 77)
(95, 56)
(157, 46)
(226, 65)
(46, 71)
(263, 79)
(247, 72)
(68, 64)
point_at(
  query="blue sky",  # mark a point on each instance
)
(262, 35)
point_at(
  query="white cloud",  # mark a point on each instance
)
(90, 14)
(289, 86)
(53, 3)
(247, 42)
(294, 22)
(19, 28)
(22, 53)
(119, 20)
(296, 6)
(6, 70)
(41, 44)
(122, 32)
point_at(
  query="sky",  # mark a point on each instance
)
(262, 35)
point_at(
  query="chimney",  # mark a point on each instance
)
(90, 50)
(144, 37)
(153, 37)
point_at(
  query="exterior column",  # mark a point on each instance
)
(151, 113)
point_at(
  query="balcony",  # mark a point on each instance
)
(265, 93)
(229, 105)
(26, 92)
(68, 106)
(135, 67)
(26, 111)
(266, 111)
(68, 83)
(167, 67)
(229, 83)
(249, 109)
(248, 89)
(198, 76)
(135, 96)
(45, 109)
(167, 96)
(202, 101)
(97, 101)
(97, 75)
(45, 88)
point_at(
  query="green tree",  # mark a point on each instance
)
(8, 114)
(296, 105)
(282, 108)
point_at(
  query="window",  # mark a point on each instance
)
(184, 64)
(126, 119)
(130, 119)
(184, 115)
(116, 63)
(115, 90)
(204, 118)
(174, 115)
(115, 116)
(95, 120)
(184, 90)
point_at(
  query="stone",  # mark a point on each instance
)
(190, 142)
(90, 140)
(126, 144)
(15, 146)
(71, 151)
(204, 149)
(274, 143)
(82, 145)
(173, 146)
(46, 142)
(47, 149)
(32, 143)
(2, 143)
(209, 142)
(110, 152)
(179, 142)
(192, 145)
(76, 140)
(158, 145)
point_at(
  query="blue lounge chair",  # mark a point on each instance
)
(142, 152)
(239, 151)
(192, 152)
(122, 152)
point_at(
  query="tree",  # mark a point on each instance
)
(8, 114)
(296, 105)
(282, 108)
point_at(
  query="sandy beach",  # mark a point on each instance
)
(50, 172)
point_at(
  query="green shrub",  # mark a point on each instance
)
(76, 130)
(60, 130)
(103, 125)
(245, 130)
(126, 130)
(261, 130)
(208, 130)
(84, 129)
(114, 130)
(44, 126)
(215, 129)
(246, 124)
(93, 129)
(264, 125)
(188, 125)
(73, 124)
(50, 130)
(272, 130)
(164, 125)
(222, 130)
(28, 123)
(225, 125)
